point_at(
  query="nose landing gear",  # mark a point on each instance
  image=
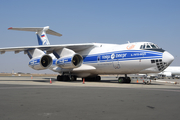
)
(125, 79)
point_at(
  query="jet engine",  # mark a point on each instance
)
(68, 62)
(40, 63)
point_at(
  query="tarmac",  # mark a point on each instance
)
(36, 98)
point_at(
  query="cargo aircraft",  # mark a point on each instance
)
(89, 60)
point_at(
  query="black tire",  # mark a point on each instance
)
(98, 78)
(73, 78)
(65, 78)
(59, 78)
(128, 80)
(121, 80)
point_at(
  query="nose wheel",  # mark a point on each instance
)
(124, 80)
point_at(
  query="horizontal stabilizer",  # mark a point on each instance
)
(37, 29)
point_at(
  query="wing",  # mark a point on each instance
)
(48, 48)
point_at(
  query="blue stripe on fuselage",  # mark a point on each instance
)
(125, 55)
(122, 56)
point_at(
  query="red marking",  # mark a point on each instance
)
(10, 28)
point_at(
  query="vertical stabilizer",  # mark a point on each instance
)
(42, 37)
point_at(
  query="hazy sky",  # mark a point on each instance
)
(87, 21)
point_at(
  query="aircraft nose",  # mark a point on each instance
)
(167, 57)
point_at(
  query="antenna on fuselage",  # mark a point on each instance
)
(128, 41)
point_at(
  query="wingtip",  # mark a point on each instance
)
(9, 28)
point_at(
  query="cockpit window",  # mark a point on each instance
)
(153, 46)
(149, 46)
(144, 46)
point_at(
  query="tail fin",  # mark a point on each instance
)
(41, 33)
(42, 37)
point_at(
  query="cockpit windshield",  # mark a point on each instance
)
(149, 46)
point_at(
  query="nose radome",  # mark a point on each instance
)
(167, 57)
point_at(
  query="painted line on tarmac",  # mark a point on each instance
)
(166, 81)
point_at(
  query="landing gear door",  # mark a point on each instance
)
(115, 62)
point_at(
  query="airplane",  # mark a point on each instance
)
(171, 71)
(89, 60)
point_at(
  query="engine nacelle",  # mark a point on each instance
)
(41, 63)
(68, 62)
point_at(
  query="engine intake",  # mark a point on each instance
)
(72, 61)
(41, 63)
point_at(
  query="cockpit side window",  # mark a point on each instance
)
(141, 47)
(153, 46)
(148, 46)
(144, 46)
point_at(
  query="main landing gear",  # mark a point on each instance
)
(74, 78)
(66, 78)
(124, 79)
(95, 78)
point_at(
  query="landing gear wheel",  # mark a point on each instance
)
(98, 78)
(121, 80)
(94, 78)
(124, 80)
(73, 78)
(59, 78)
(65, 78)
(128, 80)
(147, 82)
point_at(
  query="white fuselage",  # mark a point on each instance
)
(119, 59)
